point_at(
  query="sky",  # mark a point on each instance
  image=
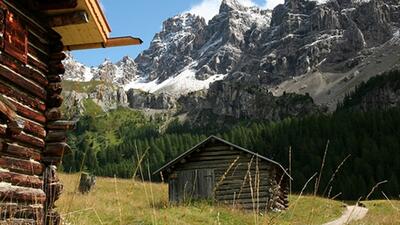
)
(143, 18)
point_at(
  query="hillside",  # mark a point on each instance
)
(117, 201)
(319, 49)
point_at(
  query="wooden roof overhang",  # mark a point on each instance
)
(82, 24)
(172, 163)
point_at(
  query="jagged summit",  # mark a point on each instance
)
(230, 5)
(300, 46)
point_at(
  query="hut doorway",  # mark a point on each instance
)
(188, 185)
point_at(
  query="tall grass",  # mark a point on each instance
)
(147, 203)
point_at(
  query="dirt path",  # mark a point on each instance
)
(352, 213)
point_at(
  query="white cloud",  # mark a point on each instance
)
(209, 8)
(271, 4)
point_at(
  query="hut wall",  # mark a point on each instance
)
(30, 64)
(239, 178)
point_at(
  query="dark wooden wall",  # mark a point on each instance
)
(236, 177)
(30, 85)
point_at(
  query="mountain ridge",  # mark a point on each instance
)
(305, 47)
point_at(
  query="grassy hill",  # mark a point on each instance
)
(119, 201)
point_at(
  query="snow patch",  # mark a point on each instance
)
(183, 83)
(396, 38)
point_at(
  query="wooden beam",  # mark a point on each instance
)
(44, 5)
(56, 149)
(61, 125)
(18, 151)
(27, 167)
(21, 180)
(56, 136)
(22, 194)
(111, 42)
(78, 17)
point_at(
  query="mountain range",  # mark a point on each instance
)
(301, 57)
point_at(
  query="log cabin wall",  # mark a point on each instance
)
(220, 172)
(30, 67)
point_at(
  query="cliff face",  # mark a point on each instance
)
(104, 96)
(305, 47)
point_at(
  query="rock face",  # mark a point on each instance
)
(245, 98)
(140, 100)
(120, 73)
(107, 97)
(258, 50)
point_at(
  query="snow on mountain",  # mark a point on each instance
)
(182, 84)
(266, 48)
(75, 70)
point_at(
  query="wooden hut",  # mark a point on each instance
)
(218, 170)
(33, 36)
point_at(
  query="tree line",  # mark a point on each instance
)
(362, 148)
(370, 140)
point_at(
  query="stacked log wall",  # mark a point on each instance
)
(241, 179)
(28, 183)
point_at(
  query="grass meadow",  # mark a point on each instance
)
(123, 202)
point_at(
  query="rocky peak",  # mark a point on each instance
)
(171, 49)
(230, 5)
(106, 71)
(75, 70)
(179, 23)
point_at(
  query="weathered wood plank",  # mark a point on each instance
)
(54, 114)
(28, 112)
(33, 128)
(56, 149)
(51, 5)
(212, 158)
(38, 54)
(261, 201)
(27, 167)
(54, 88)
(218, 148)
(241, 196)
(51, 160)
(217, 164)
(15, 150)
(40, 42)
(29, 139)
(25, 71)
(21, 97)
(60, 56)
(213, 153)
(15, 78)
(13, 193)
(61, 125)
(78, 17)
(21, 211)
(56, 136)
(37, 63)
(21, 180)
(55, 101)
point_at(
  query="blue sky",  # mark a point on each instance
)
(143, 18)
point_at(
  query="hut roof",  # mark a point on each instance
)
(211, 138)
(81, 23)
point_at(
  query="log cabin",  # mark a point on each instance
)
(33, 36)
(220, 171)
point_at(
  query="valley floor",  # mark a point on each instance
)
(117, 201)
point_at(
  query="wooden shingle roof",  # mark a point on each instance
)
(212, 138)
